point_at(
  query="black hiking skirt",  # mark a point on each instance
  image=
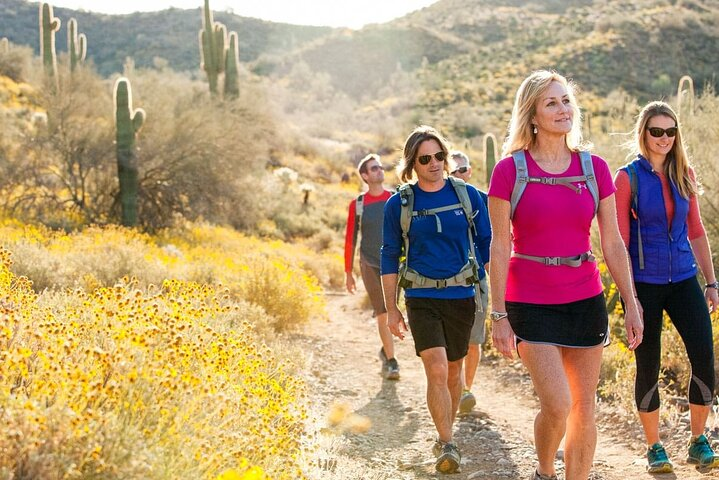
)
(583, 323)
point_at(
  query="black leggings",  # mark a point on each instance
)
(687, 309)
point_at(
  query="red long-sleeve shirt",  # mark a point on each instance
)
(695, 227)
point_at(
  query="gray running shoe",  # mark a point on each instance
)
(382, 357)
(392, 372)
(448, 461)
(538, 476)
(467, 402)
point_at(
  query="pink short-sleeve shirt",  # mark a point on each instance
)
(551, 221)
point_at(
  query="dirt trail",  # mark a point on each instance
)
(496, 440)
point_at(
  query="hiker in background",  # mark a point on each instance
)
(447, 219)
(459, 167)
(365, 217)
(661, 226)
(547, 296)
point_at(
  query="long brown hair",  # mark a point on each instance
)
(405, 169)
(676, 166)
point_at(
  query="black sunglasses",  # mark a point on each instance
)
(441, 156)
(657, 132)
(375, 168)
(461, 170)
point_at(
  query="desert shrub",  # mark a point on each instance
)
(123, 382)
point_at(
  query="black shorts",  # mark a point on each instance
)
(373, 284)
(439, 322)
(583, 323)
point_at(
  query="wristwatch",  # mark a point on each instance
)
(714, 285)
(497, 316)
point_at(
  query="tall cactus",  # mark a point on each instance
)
(127, 123)
(687, 92)
(76, 45)
(4, 45)
(232, 67)
(490, 155)
(48, 26)
(213, 38)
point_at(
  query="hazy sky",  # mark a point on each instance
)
(335, 13)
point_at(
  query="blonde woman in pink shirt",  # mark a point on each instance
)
(547, 297)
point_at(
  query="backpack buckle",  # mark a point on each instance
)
(441, 283)
(552, 261)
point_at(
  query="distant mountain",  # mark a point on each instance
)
(477, 50)
(461, 51)
(170, 34)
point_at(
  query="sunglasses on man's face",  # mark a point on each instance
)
(375, 168)
(657, 132)
(461, 170)
(425, 159)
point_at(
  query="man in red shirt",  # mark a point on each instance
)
(366, 217)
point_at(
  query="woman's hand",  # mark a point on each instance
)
(633, 323)
(503, 338)
(712, 296)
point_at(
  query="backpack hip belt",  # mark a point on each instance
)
(575, 261)
(466, 277)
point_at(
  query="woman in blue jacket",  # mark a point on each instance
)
(659, 220)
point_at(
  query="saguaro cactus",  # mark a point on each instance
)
(127, 123)
(213, 38)
(4, 45)
(76, 44)
(232, 67)
(48, 26)
(490, 155)
(685, 92)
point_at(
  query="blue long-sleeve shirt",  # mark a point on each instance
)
(436, 254)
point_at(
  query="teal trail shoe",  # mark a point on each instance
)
(658, 461)
(701, 453)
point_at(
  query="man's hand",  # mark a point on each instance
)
(350, 282)
(396, 323)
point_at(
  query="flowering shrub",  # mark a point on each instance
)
(130, 382)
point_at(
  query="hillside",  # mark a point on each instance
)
(169, 34)
(469, 51)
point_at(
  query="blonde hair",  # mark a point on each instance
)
(676, 166)
(405, 169)
(520, 135)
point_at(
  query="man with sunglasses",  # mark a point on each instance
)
(459, 167)
(434, 223)
(365, 217)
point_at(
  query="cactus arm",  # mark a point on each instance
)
(209, 49)
(127, 123)
(490, 155)
(48, 26)
(76, 44)
(232, 60)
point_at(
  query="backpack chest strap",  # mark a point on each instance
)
(566, 181)
(435, 211)
(574, 261)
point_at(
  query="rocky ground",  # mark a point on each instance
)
(365, 427)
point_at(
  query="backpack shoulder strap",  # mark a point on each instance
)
(406, 200)
(631, 170)
(585, 158)
(520, 180)
(359, 206)
(460, 188)
(633, 185)
(358, 222)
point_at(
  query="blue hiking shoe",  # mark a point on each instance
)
(657, 460)
(701, 453)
